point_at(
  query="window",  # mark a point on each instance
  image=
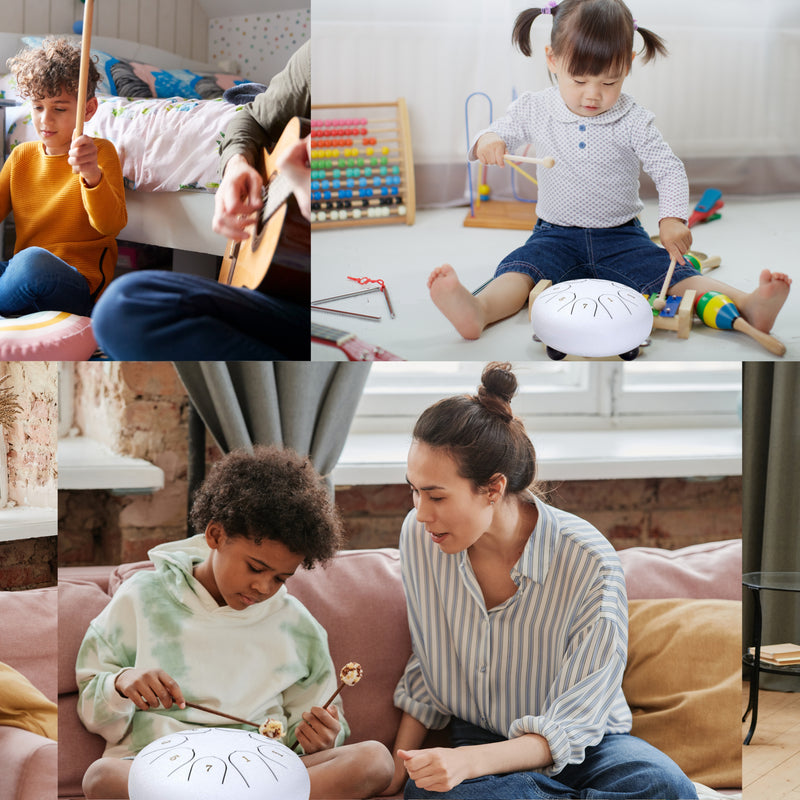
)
(578, 395)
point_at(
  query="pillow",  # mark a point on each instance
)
(22, 705)
(47, 336)
(683, 684)
(79, 602)
(135, 79)
(710, 570)
(126, 78)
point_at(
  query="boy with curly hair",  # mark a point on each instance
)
(66, 192)
(214, 624)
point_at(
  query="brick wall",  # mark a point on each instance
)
(650, 512)
(136, 409)
(141, 410)
(28, 563)
(30, 442)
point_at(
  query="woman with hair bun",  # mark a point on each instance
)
(519, 625)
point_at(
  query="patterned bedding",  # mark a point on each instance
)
(164, 144)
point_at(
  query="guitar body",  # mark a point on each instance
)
(276, 259)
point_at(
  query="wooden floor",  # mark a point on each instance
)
(771, 762)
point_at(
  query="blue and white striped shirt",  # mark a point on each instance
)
(549, 660)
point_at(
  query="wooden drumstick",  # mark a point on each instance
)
(547, 161)
(86, 57)
(661, 300)
(222, 714)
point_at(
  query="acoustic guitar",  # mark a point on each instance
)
(276, 259)
(353, 347)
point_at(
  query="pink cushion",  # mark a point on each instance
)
(709, 571)
(79, 602)
(47, 336)
(359, 600)
(30, 765)
(77, 748)
(28, 630)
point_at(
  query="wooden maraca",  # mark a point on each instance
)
(717, 310)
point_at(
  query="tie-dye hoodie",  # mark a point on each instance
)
(268, 660)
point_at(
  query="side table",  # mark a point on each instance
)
(759, 582)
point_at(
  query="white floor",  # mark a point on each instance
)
(752, 234)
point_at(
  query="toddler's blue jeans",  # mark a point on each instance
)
(621, 767)
(624, 254)
(36, 280)
(156, 315)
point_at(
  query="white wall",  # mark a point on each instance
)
(258, 45)
(180, 26)
(727, 90)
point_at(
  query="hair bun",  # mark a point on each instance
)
(498, 386)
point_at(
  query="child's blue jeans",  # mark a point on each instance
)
(624, 254)
(621, 767)
(155, 315)
(36, 280)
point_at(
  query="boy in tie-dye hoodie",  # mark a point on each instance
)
(213, 624)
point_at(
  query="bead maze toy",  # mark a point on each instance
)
(485, 212)
(362, 167)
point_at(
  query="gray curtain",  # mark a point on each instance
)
(771, 508)
(307, 406)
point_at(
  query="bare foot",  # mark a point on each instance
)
(761, 306)
(456, 302)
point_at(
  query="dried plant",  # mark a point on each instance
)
(9, 407)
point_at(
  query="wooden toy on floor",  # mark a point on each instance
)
(717, 310)
(677, 314)
(362, 167)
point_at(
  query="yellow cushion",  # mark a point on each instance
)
(22, 705)
(683, 684)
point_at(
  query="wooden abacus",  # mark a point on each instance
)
(362, 169)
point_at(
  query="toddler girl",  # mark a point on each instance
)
(589, 201)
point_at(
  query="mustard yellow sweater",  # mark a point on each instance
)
(53, 208)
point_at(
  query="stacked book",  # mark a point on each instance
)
(780, 654)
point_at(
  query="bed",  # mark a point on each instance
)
(166, 117)
(170, 182)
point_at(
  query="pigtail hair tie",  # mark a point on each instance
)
(550, 7)
(635, 25)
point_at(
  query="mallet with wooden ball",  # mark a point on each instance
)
(661, 300)
(350, 674)
(717, 310)
(547, 161)
(271, 728)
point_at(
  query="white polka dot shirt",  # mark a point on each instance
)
(595, 180)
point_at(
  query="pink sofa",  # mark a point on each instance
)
(359, 600)
(28, 623)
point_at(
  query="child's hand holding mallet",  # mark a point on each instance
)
(83, 160)
(149, 688)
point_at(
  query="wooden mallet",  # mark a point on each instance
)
(661, 300)
(547, 161)
(86, 57)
